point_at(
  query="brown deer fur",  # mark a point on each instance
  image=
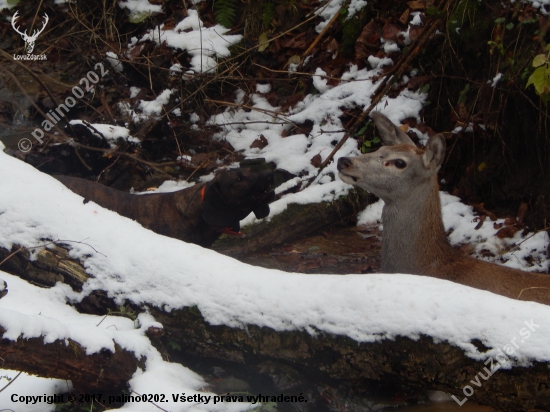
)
(413, 239)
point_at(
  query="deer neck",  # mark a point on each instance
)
(413, 239)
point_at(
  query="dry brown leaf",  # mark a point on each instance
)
(367, 42)
(479, 208)
(332, 46)
(507, 231)
(522, 211)
(480, 223)
(316, 160)
(259, 143)
(414, 32)
(417, 81)
(390, 31)
(298, 42)
(404, 18)
(417, 5)
(510, 221)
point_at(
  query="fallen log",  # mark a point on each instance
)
(297, 221)
(297, 362)
(290, 362)
(105, 371)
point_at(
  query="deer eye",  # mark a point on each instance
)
(400, 164)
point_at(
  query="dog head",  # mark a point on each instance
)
(233, 194)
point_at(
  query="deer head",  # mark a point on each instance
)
(396, 168)
(29, 40)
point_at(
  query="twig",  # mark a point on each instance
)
(31, 101)
(10, 382)
(530, 236)
(47, 244)
(308, 74)
(533, 287)
(386, 84)
(131, 156)
(265, 111)
(320, 36)
(33, 74)
(11, 255)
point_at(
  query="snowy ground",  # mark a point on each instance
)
(35, 209)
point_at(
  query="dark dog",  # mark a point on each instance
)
(198, 214)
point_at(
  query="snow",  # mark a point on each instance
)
(146, 108)
(495, 80)
(140, 6)
(109, 132)
(113, 59)
(329, 8)
(203, 44)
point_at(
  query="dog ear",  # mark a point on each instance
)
(261, 211)
(215, 211)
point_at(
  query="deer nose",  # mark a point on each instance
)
(344, 163)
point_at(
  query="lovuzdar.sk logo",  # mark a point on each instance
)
(29, 40)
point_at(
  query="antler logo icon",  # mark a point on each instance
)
(29, 40)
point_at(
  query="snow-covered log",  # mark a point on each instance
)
(329, 360)
(104, 370)
(304, 360)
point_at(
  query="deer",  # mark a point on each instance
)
(29, 40)
(413, 238)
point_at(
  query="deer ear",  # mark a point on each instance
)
(390, 133)
(435, 152)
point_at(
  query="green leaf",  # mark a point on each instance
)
(138, 16)
(174, 345)
(463, 95)
(294, 59)
(263, 42)
(510, 26)
(500, 20)
(376, 140)
(433, 11)
(224, 11)
(540, 79)
(539, 60)
(361, 130)
(424, 88)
